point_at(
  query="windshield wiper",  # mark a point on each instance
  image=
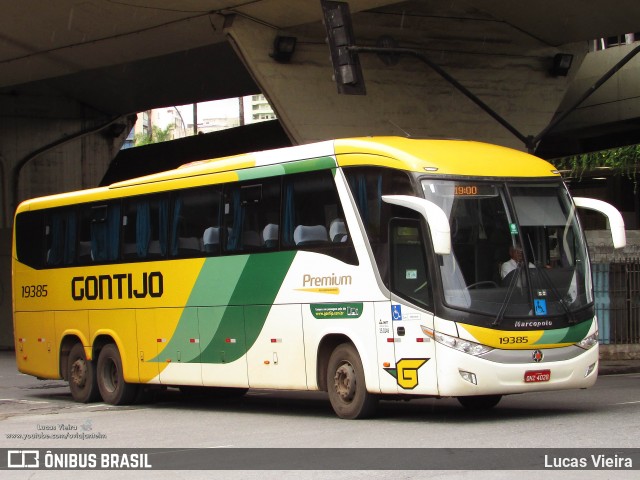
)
(511, 289)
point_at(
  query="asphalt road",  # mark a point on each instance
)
(33, 411)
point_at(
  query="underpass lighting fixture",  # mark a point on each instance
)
(561, 64)
(283, 48)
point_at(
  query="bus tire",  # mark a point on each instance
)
(346, 385)
(113, 388)
(480, 402)
(82, 376)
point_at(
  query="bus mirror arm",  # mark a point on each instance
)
(435, 217)
(616, 223)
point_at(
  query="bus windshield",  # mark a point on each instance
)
(517, 249)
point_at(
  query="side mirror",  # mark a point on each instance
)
(433, 214)
(616, 223)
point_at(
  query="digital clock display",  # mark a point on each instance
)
(474, 190)
(446, 189)
(466, 190)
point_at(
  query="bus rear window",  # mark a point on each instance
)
(29, 230)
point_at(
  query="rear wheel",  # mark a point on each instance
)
(480, 402)
(345, 383)
(82, 376)
(113, 388)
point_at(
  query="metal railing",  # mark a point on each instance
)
(617, 299)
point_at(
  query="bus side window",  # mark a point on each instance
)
(61, 230)
(409, 272)
(252, 212)
(313, 218)
(84, 235)
(268, 216)
(367, 185)
(195, 228)
(98, 233)
(145, 223)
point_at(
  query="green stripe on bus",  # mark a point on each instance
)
(260, 172)
(256, 289)
(227, 308)
(572, 334)
(289, 168)
(310, 165)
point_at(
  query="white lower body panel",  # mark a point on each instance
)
(504, 378)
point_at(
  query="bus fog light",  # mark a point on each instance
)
(590, 370)
(468, 376)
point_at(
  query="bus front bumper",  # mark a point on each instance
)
(460, 374)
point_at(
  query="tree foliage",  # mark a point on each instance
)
(622, 160)
(156, 135)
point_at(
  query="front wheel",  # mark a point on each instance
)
(81, 374)
(345, 381)
(113, 388)
(480, 402)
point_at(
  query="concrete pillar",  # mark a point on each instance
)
(6, 323)
(47, 145)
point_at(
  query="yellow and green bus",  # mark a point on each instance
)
(367, 267)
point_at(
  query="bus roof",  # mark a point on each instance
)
(449, 157)
(445, 157)
(437, 157)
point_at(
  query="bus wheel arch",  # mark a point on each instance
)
(326, 347)
(346, 385)
(79, 371)
(110, 377)
(66, 344)
(99, 343)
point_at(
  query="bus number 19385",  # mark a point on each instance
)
(510, 340)
(34, 291)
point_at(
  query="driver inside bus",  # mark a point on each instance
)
(516, 258)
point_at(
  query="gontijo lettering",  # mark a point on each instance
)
(119, 286)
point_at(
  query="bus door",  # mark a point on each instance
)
(409, 310)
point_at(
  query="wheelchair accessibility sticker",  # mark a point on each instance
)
(396, 312)
(540, 306)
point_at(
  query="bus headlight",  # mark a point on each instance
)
(589, 342)
(457, 343)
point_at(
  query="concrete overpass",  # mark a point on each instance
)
(73, 73)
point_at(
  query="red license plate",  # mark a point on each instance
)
(534, 376)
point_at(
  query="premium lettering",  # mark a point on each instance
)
(118, 286)
(329, 281)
